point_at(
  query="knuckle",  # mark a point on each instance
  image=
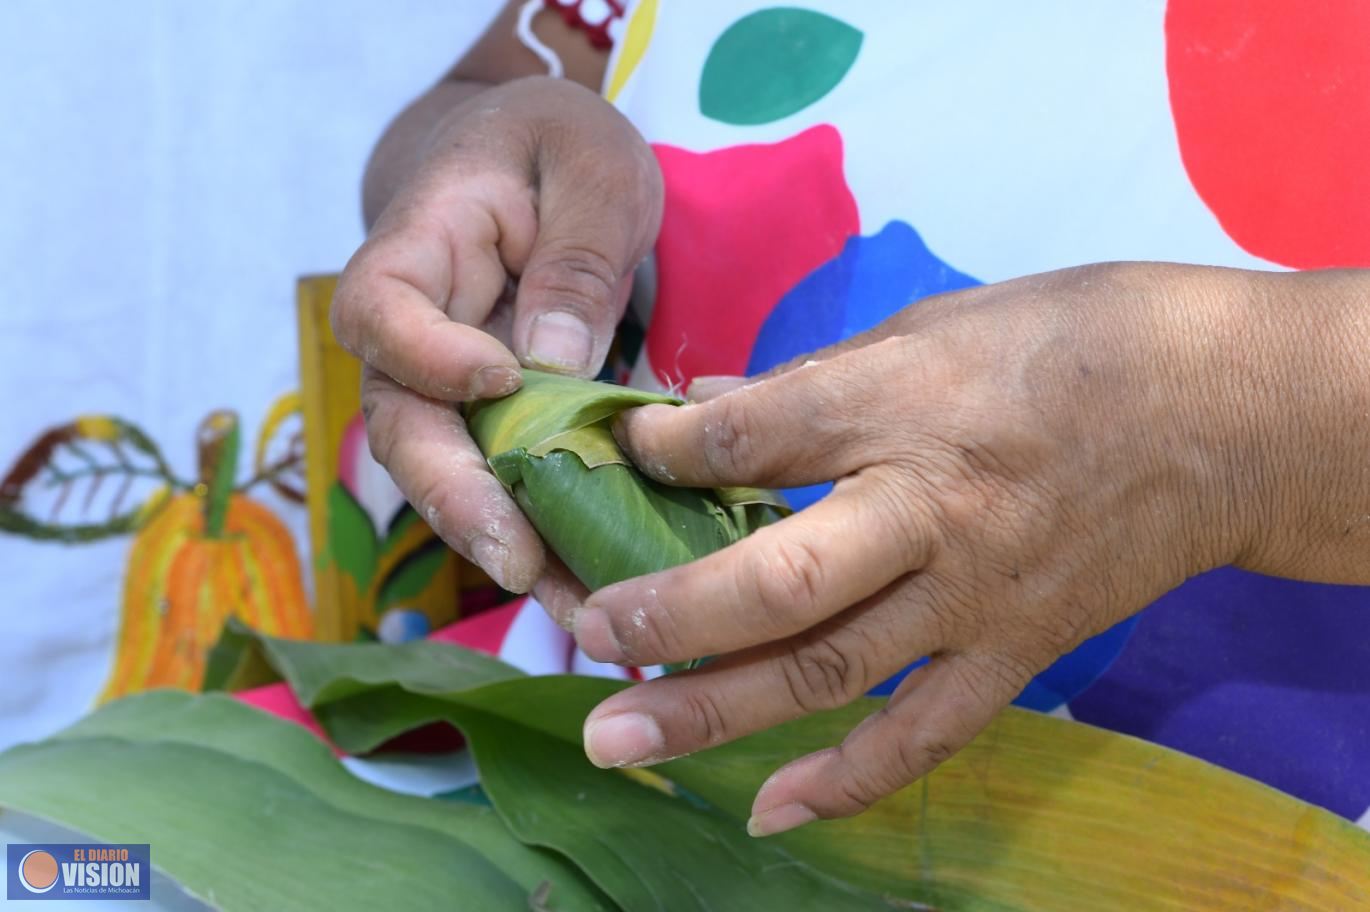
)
(648, 637)
(786, 579)
(433, 502)
(953, 610)
(897, 517)
(821, 675)
(729, 444)
(445, 507)
(1055, 632)
(366, 329)
(342, 316)
(705, 721)
(996, 673)
(857, 794)
(861, 784)
(577, 275)
(356, 317)
(381, 431)
(916, 755)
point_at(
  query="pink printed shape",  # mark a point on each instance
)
(742, 225)
(351, 449)
(483, 632)
(278, 700)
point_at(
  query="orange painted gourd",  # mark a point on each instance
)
(201, 558)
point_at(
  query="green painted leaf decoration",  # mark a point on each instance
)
(774, 63)
(399, 524)
(352, 541)
(412, 575)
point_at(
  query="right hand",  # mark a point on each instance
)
(514, 242)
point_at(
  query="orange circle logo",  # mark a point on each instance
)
(38, 871)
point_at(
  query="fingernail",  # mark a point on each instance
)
(595, 635)
(702, 388)
(623, 739)
(561, 341)
(493, 382)
(493, 557)
(780, 819)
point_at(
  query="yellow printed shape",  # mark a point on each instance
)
(282, 409)
(635, 40)
(96, 427)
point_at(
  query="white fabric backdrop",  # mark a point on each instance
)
(168, 169)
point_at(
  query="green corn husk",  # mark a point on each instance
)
(552, 446)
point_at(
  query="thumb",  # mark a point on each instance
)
(569, 301)
(575, 284)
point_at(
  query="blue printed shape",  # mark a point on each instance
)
(1064, 680)
(871, 279)
(1268, 677)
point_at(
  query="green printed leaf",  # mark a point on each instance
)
(412, 575)
(405, 517)
(774, 63)
(352, 543)
(54, 486)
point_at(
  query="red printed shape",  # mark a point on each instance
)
(1271, 101)
(742, 226)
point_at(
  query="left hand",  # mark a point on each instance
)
(1018, 467)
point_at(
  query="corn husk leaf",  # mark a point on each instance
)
(1036, 814)
(551, 444)
(248, 812)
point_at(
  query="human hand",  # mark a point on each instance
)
(513, 242)
(1017, 467)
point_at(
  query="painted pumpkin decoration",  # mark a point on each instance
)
(184, 582)
(203, 550)
(207, 555)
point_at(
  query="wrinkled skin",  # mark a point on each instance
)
(1017, 467)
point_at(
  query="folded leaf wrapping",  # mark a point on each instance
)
(551, 444)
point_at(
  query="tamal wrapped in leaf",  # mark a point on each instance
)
(551, 444)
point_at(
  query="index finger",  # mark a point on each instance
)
(781, 580)
(807, 425)
(426, 449)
